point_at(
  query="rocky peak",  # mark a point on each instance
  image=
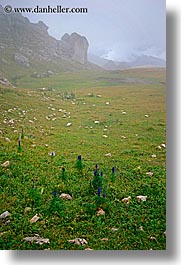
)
(29, 45)
(42, 26)
(75, 46)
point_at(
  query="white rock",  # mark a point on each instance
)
(96, 122)
(37, 239)
(146, 116)
(141, 198)
(69, 124)
(153, 156)
(105, 136)
(30, 121)
(104, 239)
(100, 211)
(123, 112)
(107, 103)
(5, 164)
(65, 196)
(149, 173)
(108, 154)
(88, 249)
(34, 219)
(163, 145)
(4, 215)
(126, 199)
(114, 229)
(78, 241)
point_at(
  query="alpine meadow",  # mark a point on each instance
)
(83, 146)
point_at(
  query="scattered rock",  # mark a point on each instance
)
(21, 59)
(114, 229)
(141, 198)
(65, 196)
(88, 249)
(126, 199)
(34, 219)
(123, 112)
(146, 116)
(4, 215)
(153, 156)
(108, 154)
(37, 239)
(149, 173)
(69, 124)
(78, 241)
(100, 212)
(5, 164)
(104, 239)
(153, 238)
(97, 122)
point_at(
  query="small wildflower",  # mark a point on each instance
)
(99, 191)
(95, 172)
(54, 193)
(79, 157)
(113, 170)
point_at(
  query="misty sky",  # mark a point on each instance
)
(115, 29)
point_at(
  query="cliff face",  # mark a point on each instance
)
(75, 46)
(28, 45)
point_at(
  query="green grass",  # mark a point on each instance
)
(132, 139)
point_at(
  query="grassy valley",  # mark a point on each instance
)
(97, 136)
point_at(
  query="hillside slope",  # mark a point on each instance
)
(27, 47)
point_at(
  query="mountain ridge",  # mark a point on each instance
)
(28, 47)
(138, 61)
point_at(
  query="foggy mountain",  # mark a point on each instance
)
(137, 61)
(27, 47)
